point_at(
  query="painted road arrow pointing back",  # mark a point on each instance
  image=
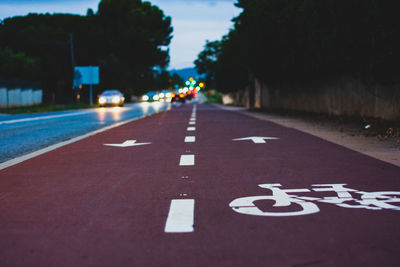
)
(128, 143)
(256, 139)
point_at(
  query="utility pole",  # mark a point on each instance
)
(71, 46)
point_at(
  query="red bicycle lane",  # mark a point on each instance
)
(88, 204)
(93, 205)
(345, 231)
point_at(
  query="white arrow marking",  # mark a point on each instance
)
(128, 143)
(256, 139)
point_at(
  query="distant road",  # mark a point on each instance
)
(25, 133)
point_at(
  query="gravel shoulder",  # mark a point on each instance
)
(375, 140)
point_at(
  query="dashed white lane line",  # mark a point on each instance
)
(190, 139)
(181, 212)
(186, 160)
(180, 217)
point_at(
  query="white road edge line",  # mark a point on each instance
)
(44, 117)
(23, 158)
(186, 160)
(180, 217)
(190, 139)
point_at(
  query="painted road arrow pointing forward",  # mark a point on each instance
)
(128, 143)
(256, 139)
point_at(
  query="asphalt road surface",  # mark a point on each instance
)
(24, 133)
(200, 186)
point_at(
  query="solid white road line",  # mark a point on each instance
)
(190, 139)
(45, 117)
(191, 129)
(180, 217)
(186, 160)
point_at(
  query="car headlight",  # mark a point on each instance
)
(102, 100)
(145, 98)
(115, 99)
(156, 98)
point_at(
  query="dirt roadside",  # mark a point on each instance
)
(356, 137)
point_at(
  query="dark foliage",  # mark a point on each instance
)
(304, 40)
(126, 38)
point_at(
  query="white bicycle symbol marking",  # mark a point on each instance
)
(285, 198)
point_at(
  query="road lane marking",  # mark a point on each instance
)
(190, 139)
(128, 143)
(180, 217)
(23, 158)
(191, 129)
(186, 160)
(380, 200)
(192, 122)
(44, 117)
(256, 139)
(192, 119)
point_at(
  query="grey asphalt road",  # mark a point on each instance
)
(24, 133)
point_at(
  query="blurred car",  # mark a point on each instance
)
(178, 97)
(111, 98)
(151, 97)
(165, 96)
(190, 95)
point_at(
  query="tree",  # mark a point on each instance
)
(126, 38)
(18, 66)
(206, 62)
(303, 40)
(135, 35)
